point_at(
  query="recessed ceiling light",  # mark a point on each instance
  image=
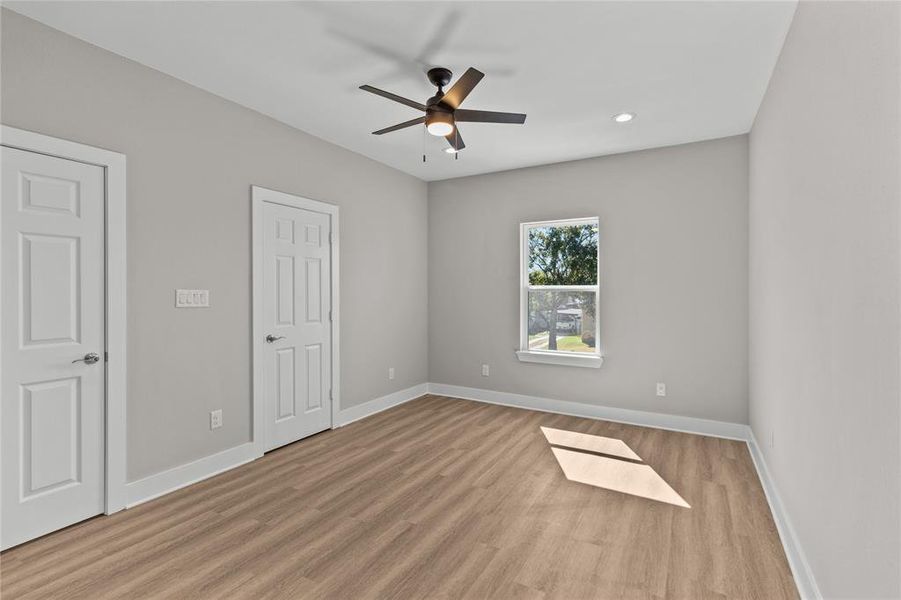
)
(451, 150)
(623, 117)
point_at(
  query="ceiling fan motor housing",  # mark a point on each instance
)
(439, 76)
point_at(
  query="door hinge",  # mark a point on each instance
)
(331, 237)
(330, 316)
(330, 396)
(105, 356)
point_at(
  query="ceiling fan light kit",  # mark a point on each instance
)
(442, 112)
(440, 123)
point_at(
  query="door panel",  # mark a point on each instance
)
(314, 377)
(50, 303)
(285, 383)
(42, 193)
(51, 313)
(296, 305)
(313, 270)
(284, 285)
(50, 435)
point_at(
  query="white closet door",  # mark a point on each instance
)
(52, 314)
(296, 313)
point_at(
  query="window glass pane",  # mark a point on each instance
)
(562, 321)
(563, 255)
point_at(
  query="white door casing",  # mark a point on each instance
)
(112, 306)
(52, 314)
(293, 314)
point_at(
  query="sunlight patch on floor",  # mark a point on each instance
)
(606, 472)
(592, 443)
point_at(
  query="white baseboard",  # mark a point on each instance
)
(797, 560)
(361, 411)
(160, 484)
(176, 478)
(733, 431)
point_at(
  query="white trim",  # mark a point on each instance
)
(797, 560)
(377, 405)
(169, 481)
(258, 431)
(176, 478)
(160, 484)
(567, 222)
(569, 359)
(113, 164)
(524, 354)
(563, 288)
(260, 195)
(723, 429)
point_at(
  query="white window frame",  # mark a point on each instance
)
(554, 357)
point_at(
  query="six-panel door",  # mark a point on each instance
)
(296, 313)
(52, 409)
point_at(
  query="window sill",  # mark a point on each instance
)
(557, 358)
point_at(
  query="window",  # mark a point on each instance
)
(559, 293)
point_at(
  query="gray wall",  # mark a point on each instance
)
(824, 275)
(673, 277)
(824, 256)
(192, 158)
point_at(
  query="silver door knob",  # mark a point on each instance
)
(90, 358)
(271, 338)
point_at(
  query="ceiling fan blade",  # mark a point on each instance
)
(487, 116)
(455, 96)
(410, 123)
(455, 139)
(395, 97)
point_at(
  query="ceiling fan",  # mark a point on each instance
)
(442, 111)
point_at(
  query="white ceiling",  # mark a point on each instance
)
(690, 70)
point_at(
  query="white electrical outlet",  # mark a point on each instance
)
(661, 389)
(192, 298)
(485, 370)
(216, 419)
(390, 372)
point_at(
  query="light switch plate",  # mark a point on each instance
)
(192, 298)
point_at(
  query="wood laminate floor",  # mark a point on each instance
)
(437, 498)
